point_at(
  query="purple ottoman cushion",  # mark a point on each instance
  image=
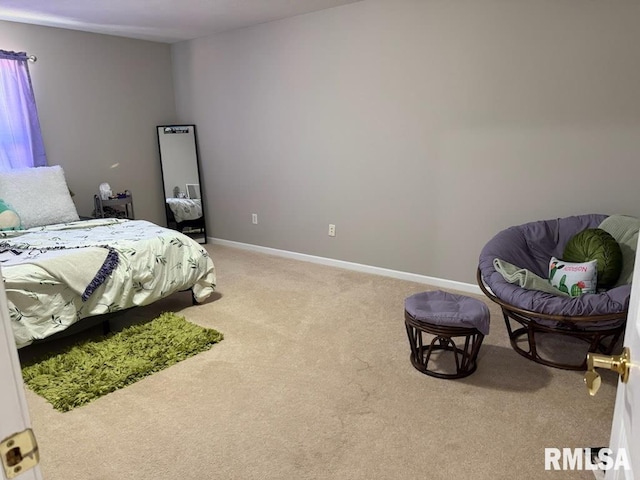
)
(444, 308)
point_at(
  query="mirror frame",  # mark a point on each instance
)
(169, 194)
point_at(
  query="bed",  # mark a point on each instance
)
(57, 274)
(183, 213)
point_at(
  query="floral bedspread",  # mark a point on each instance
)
(152, 263)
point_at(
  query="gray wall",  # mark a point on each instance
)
(99, 100)
(420, 128)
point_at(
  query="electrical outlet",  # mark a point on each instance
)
(332, 230)
(254, 218)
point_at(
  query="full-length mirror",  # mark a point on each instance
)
(181, 180)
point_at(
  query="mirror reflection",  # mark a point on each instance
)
(181, 180)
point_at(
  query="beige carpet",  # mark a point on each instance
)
(313, 381)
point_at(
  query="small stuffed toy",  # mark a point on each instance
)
(9, 218)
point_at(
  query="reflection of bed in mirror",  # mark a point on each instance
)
(185, 215)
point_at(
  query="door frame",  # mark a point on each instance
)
(13, 404)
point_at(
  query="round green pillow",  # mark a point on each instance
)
(596, 244)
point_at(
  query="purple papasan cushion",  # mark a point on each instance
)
(531, 246)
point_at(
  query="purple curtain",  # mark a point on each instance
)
(21, 142)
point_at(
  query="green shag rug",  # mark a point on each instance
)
(91, 369)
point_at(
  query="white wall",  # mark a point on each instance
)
(420, 128)
(99, 100)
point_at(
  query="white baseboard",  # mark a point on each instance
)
(358, 267)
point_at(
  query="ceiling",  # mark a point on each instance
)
(167, 21)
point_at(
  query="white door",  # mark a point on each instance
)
(625, 430)
(14, 416)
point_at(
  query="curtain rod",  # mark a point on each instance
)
(10, 54)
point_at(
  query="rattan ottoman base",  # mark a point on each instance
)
(464, 353)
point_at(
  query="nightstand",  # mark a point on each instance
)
(118, 207)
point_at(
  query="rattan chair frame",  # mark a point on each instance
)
(599, 339)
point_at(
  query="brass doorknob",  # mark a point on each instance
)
(617, 363)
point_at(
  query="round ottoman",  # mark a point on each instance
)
(433, 319)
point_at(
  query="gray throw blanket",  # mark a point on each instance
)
(625, 230)
(525, 278)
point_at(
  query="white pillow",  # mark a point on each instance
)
(39, 195)
(573, 278)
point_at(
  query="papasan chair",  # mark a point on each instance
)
(533, 316)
